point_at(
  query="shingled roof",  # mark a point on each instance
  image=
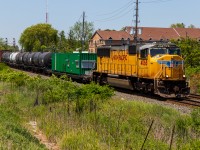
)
(155, 33)
(114, 35)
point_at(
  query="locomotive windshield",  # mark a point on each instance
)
(161, 51)
(174, 51)
(157, 51)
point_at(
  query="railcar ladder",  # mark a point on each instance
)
(156, 77)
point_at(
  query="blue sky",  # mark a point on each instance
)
(17, 15)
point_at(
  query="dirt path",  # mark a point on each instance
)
(41, 137)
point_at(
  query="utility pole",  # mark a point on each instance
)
(83, 31)
(136, 23)
(47, 15)
(6, 43)
(14, 44)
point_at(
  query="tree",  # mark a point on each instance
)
(76, 34)
(72, 43)
(178, 25)
(39, 37)
(190, 49)
(191, 26)
(2, 44)
(63, 45)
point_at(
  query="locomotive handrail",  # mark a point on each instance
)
(157, 76)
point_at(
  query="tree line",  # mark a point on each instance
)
(43, 37)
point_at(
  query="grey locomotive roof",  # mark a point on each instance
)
(157, 45)
(147, 46)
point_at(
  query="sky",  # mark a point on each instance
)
(17, 15)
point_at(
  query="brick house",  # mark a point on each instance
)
(108, 37)
(157, 34)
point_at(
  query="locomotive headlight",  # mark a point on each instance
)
(184, 76)
(167, 76)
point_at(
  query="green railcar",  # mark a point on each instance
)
(75, 65)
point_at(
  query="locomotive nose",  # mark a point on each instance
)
(172, 67)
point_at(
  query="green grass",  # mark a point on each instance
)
(84, 118)
(13, 134)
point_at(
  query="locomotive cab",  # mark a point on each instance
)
(165, 66)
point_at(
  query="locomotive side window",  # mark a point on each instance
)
(144, 53)
(132, 50)
(103, 52)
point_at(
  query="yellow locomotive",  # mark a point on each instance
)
(151, 67)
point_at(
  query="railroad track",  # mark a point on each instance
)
(194, 96)
(193, 100)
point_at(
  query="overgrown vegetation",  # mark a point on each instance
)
(190, 49)
(84, 117)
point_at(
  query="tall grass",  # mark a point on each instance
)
(84, 117)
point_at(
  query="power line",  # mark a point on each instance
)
(156, 1)
(118, 15)
(114, 17)
(117, 10)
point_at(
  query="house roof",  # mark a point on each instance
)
(114, 35)
(156, 33)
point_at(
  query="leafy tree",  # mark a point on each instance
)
(190, 49)
(191, 26)
(76, 34)
(38, 37)
(62, 45)
(178, 25)
(2, 44)
(72, 42)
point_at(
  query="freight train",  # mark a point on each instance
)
(151, 68)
